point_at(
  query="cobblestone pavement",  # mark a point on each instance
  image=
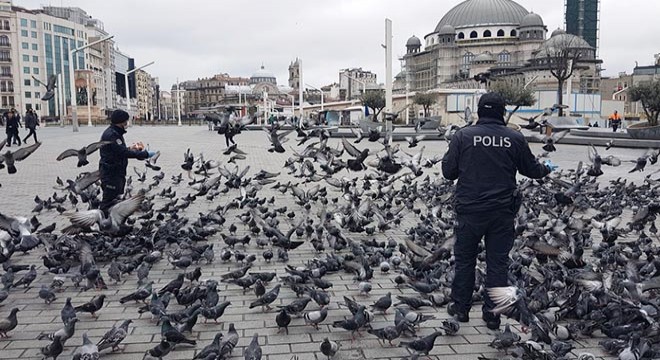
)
(36, 176)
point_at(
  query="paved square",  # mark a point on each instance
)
(37, 174)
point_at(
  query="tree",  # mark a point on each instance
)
(648, 93)
(375, 100)
(562, 52)
(426, 100)
(514, 95)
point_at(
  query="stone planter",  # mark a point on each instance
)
(644, 131)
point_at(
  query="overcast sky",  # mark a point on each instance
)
(199, 38)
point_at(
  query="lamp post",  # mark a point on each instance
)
(321, 91)
(128, 92)
(388, 70)
(364, 83)
(178, 102)
(293, 103)
(72, 82)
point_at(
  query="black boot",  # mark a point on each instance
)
(459, 315)
(492, 320)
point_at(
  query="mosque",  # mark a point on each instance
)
(499, 38)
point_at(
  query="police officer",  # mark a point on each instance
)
(114, 159)
(485, 158)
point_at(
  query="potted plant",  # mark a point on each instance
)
(648, 93)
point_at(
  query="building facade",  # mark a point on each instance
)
(482, 40)
(353, 82)
(582, 19)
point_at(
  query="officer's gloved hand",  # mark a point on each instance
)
(151, 153)
(550, 165)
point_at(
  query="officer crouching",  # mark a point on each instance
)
(485, 158)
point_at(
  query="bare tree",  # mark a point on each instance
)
(561, 54)
(426, 100)
(514, 95)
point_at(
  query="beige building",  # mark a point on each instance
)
(144, 85)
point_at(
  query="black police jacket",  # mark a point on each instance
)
(485, 158)
(114, 156)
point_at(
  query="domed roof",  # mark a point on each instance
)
(262, 73)
(531, 19)
(483, 12)
(414, 41)
(558, 31)
(484, 57)
(447, 30)
(564, 40)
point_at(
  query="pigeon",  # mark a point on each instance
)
(92, 306)
(46, 294)
(329, 348)
(422, 345)
(113, 222)
(505, 339)
(389, 333)
(64, 333)
(253, 351)
(8, 324)
(114, 336)
(9, 158)
(268, 298)
(53, 350)
(215, 312)
(451, 326)
(28, 278)
(162, 349)
(283, 320)
(212, 350)
(50, 87)
(141, 294)
(383, 303)
(549, 141)
(83, 152)
(314, 318)
(68, 311)
(88, 351)
(171, 334)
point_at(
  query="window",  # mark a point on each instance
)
(35, 58)
(467, 58)
(28, 95)
(25, 45)
(37, 107)
(3, 86)
(5, 55)
(4, 40)
(37, 95)
(28, 106)
(33, 24)
(514, 33)
(35, 71)
(24, 22)
(33, 34)
(11, 101)
(500, 33)
(473, 35)
(504, 57)
(461, 35)
(487, 34)
(5, 24)
(26, 57)
(24, 33)
(6, 70)
(26, 82)
(4, 101)
(35, 47)
(26, 70)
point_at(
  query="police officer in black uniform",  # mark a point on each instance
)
(485, 158)
(114, 159)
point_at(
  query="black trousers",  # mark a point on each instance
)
(33, 133)
(112, 191)
(497, 230)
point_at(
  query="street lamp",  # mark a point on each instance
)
(178, 101)
(128, 93)
(321, 91)
(72, 84)
(364, 83)
(293, 103)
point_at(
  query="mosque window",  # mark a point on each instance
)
(487, 34)
(461, 35)
(514, 33)
(500, 33)
(473, 35)
(467, 58)
(504, 57)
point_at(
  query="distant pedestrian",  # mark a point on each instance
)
(615, 121)
(31, 123)
(13, 122)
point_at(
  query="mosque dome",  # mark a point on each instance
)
(531, 20)
(447, 30)
(413, 41)
(472, 13)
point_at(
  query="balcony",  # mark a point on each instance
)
(5, 59)
(6, 76)
(5, 44)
